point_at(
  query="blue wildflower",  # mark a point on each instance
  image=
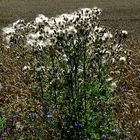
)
(65, 120)
(49, 115)
(77, 124)
(104, 136)
(123, 90)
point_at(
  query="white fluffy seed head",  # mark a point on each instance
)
(26, 68)
(123, 59)
(106, 36)
(109, 79)
(124, 32)
(41, 68)
(114, 85)
(8, 30)
(41, 19)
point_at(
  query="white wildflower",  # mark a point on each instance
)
(48, 31)
(33, 36)
(108, 53)
(31, 26)
(7, 46)
(26, 68)
(117, 72)
(104, 61)
(123, 59)
(8, 38)
(80, 70)
(124, 32)
(69, 17)
(109, 79)
(65, 57)
(40, 19)
(31, 42)
(113, 84)
(98, 29)
(19, 24)
(106, 36)
(48, 42)
(97, 11)
(113, 60)
(19, 126)
(116, 47)
(71, 30)
(86, 11)
(8, 30)
(40, 45)
(59, 22)
(41, 68)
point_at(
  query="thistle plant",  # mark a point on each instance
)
(72, 63)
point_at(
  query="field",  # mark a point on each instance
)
(116, 15)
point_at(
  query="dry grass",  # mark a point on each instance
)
(130, 101)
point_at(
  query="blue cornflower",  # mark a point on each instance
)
(123, 90)
(77, 124)
(104, 136)
(49, 115)
(65, 120)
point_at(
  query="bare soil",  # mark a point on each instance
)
(117, 14)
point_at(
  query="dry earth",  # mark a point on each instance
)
(117, 14)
